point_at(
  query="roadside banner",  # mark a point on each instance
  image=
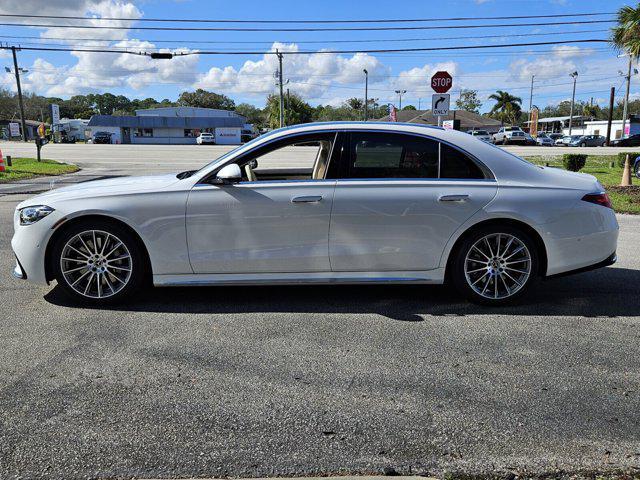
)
(393, 114)
(42, 130)
(533, 126)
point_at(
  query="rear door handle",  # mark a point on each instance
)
(307, 199)
(453, 198)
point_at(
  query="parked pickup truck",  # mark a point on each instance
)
(507, 135)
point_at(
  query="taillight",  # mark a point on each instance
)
(601, 199)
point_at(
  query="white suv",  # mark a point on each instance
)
(205, 138)
(507, 135)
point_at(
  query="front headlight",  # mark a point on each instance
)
(30, 215)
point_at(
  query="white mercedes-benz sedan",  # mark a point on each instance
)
(360, 203)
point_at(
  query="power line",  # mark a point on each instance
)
(305, 29)
(243, 21)
(225, 42)
(308, 52)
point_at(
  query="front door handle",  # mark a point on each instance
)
(307, 199)
(453, 198)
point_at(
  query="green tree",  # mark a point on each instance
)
(469, 101)
(409, 107)
(625, 36)
(297, 111)
(254, 115)
(507, 108)
(205, 99)
(355, 103)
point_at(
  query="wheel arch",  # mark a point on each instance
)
(48, 260)
(541, 249)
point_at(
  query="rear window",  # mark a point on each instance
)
(395, 155)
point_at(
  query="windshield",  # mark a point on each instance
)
(480, 132)
(576, 137)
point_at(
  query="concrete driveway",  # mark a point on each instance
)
(290, 381)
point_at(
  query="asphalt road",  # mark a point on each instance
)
(288, 381)
(141, 159)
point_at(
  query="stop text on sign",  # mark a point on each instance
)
(441, 82)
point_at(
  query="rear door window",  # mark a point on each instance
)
(392, 155)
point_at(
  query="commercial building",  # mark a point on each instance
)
(468, 120)
(171, 125)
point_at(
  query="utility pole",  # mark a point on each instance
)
(400, 93)
(419, 102)
(626, 96)
(366, 94)
(573, 99)
(17, 73)
(281, 92)
(531, 95)
(611, 100)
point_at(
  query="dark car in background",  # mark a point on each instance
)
(587, 141)
(102, 137)
(632, 141)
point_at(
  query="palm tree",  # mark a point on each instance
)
(625, 36)
(507, 107)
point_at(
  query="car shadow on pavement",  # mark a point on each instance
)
(610, 292)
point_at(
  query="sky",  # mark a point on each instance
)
(320, 78)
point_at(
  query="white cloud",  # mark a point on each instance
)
(311, 76)
(418, 79)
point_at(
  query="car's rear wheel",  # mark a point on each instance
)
(98, 262)
(637, 169)
(495, 265)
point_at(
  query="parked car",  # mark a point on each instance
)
(587, 141)
(544, 140)
(383, 203)
(205, 138)
(563, 141)
(632, 141)
(102, 137)
(636, 166)
(529, 140)
(507, 135)
(481, 135)
(555, 136)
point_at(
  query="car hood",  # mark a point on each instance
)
(101, 188)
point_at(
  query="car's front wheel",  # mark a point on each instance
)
(495, 265)
(637, 169)
(98, 262)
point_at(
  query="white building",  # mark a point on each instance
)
(171, 125)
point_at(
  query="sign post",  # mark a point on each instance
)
(441, 83)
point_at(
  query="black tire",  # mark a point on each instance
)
(637, 169)
(583, 144)
(505, 141)
(138, 263)
(462, 279)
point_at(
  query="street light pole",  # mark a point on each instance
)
(573, 99)
(531, 94)
(17, 72)
(400, 93)
(281, 88)
(366, 94)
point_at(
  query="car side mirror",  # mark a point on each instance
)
(229, 174)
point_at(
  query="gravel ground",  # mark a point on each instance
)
(290, 381)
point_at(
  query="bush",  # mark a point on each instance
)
(623, 155)
(574, 161)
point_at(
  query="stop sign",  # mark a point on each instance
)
(441, 82)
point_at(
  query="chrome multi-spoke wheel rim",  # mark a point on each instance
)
(497, 266)
(96, 264)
